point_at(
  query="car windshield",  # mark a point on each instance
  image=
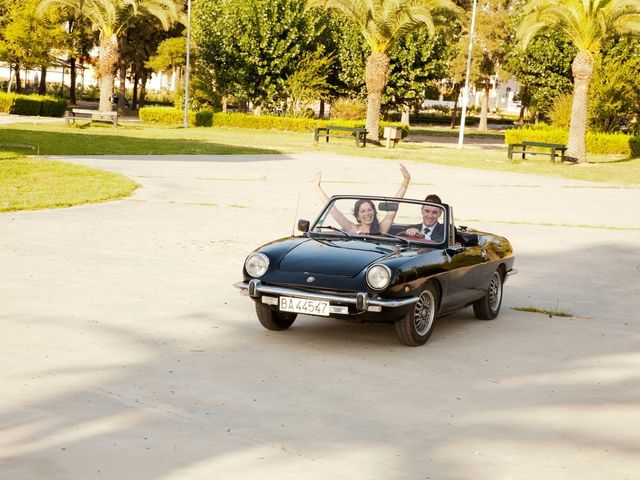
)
(410, 220)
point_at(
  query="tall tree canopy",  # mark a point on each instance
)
(587, 23)
(25, 39)
(382, 23)
(110, 18)
(253, 46)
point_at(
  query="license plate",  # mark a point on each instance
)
(302, 305)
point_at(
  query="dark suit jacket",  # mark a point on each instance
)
(438, 232)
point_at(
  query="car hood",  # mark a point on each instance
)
(334, 257)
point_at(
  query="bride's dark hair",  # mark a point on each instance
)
(375, 225)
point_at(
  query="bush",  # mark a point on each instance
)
(53, 107)
(6, 102)
(348, 109)
(26, 105)
(32, 105)
(292, 124)
(604, 143)
(559, 111)
(165, 115)
(204, 118)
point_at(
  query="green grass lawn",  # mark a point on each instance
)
(33, 184)
(135, 139)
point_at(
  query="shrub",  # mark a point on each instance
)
(32, 105)
(165, 115)
(348, 109)
(559, 112)
(293, 124)
(6, 102)
(204, 118)
(53, 107)
(26, 105)
(604, 143)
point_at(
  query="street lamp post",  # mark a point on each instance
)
(465, 97)
(186, 73)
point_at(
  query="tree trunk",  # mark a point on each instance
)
(524, 102)
(376, 73)
(582, 74)
(143, 88)
(42, 88)
(134, 97)
(122, 91)
(225, 100)
(484, 109)
(108, 57)
(321, 110)
(73, 77)
(454, 111)
(405, 115)
(18, 80)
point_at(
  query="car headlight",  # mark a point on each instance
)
(256, 264)
(378, 277)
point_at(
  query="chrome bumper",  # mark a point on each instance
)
(362, 301)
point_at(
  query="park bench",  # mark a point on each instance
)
(550, 149)
(359, 133)
(93, 115)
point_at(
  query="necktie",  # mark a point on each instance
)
(426, 232)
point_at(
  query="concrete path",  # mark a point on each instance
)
(127, 354)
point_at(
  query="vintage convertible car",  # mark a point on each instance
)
(398, 276)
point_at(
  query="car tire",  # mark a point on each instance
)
(415, 328)
(272, 319)
(488, 307)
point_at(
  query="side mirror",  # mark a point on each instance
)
(303, 225)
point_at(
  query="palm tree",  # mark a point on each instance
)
(381, 23)
(586, 23)
(110, 18)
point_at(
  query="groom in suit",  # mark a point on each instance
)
(429, 229)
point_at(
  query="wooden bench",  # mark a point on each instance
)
(93, 115)
(359, 133)
(553, 149)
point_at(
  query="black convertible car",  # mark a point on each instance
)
(402, 275)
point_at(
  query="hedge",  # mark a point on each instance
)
(430, 118)
(173, 116)
(165, 115)
(35, 105)
(603, 143)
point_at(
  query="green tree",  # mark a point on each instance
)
(382, 23)
(25, 39)
(543, 69)
(416, 61)
(110, 18)
(488, 52)
(253, 46)
(586, 23)
(171, 55)
(309, 81)
(614, 101)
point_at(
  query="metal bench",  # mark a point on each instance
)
(93, 115)
(553, 149)
(359, 133)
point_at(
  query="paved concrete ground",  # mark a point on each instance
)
(127, 354)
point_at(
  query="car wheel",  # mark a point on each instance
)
(488, 307)
(415, 328)
(272, 319)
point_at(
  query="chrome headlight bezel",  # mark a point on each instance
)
(256, 264)
(378, 276)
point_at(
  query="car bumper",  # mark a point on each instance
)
(361, 300)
